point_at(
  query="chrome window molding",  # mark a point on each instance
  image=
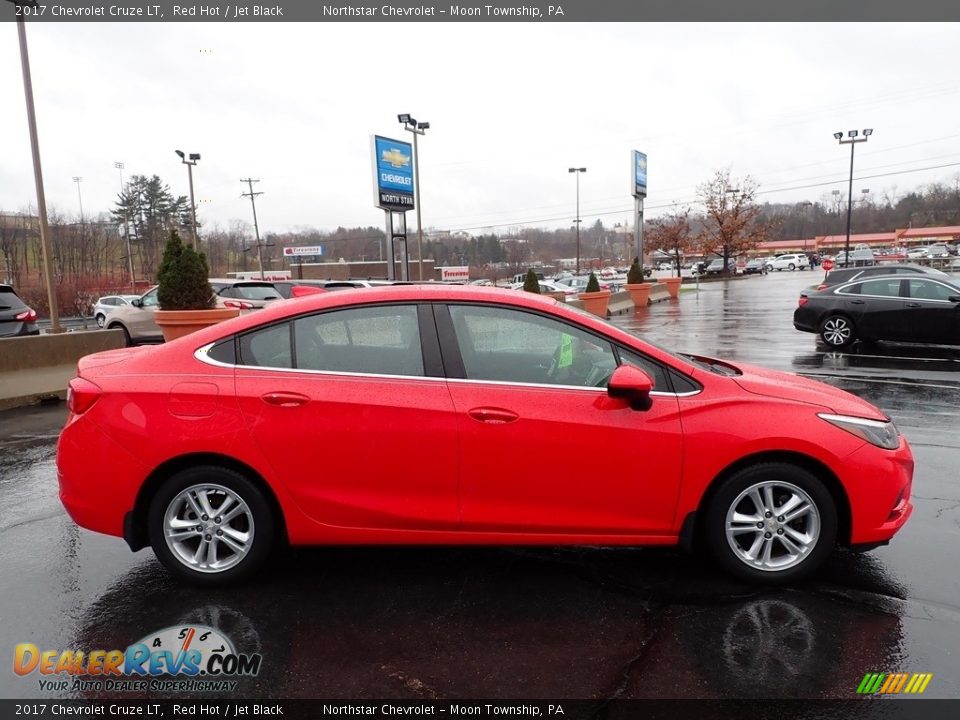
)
(202, 354)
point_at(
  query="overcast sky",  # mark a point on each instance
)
(511, 107)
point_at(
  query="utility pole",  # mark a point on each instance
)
(256, 228)
(126, 227)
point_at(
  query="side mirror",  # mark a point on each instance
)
(137, 302)
(631, 384)
(954, 298)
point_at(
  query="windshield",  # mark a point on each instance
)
(259, 291)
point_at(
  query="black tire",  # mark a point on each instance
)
(259, 522)
(127, 340)
(101, 320)
(777, 472)
(838, 331)
(792, 267)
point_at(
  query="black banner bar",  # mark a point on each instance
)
(194, 709)
(487, 11)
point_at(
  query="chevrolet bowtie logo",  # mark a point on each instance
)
(395, 158)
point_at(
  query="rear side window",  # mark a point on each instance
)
(9, 299)
(883, 287)
(268, 347)
(379, 340)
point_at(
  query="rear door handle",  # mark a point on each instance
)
(857, 302)
(285, 399)
(493, 416)
(913, 304)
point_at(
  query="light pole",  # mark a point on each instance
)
(55, 326)
(852, 141)
(416, 128)
(803, 222)
(577, 171)
(193, 205)
(79, 180)
(126, 228)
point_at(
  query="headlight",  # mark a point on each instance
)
(876, 432)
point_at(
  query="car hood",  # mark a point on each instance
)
(772, 383)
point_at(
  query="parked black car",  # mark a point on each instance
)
(922, 309)
(844, 275)
(15, 317)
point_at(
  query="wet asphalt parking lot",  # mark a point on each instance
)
(537, 622)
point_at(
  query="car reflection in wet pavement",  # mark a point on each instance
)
(438, 623)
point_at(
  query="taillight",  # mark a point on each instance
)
(81, 395)
(803, 300)
(28, 315)
(238, 304)
(821, 286)
(303, 290)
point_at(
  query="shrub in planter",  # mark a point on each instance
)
(637, 285)
(594, 299)
(530, 283)
(184, 293)
(183, 277)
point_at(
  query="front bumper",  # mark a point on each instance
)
(878, 484)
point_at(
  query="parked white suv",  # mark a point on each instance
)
(798, 261)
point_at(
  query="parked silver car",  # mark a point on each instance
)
(107, 303)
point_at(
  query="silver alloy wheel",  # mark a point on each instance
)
(792, 267)
(208, 528)
(101, 320)
(837, 331)
(772, 526)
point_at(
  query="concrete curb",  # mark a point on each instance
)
(38, 367)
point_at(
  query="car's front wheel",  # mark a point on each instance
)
(773, 523)
(838, 331)
(792, 267)
(101, 319)
(211, 525)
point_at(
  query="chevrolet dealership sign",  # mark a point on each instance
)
(393, 173)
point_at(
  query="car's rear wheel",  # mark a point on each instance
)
(211, 525)
(772, 523)
(838, 331)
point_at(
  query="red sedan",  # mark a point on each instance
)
(424, 415)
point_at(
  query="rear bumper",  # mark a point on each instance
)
(97, 495)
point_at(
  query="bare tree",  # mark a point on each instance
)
(731, 223)
(672, 233)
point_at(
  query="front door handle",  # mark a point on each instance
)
(913, 304)
(856, 302)
(285, 399)
(493, 416)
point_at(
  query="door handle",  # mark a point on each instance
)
(857, 302)
(493, 416)
(285, 399)
(913, 304)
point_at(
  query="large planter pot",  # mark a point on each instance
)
(177, 323)
(556, 295)
(639, 293)
(673, 285)
(596, 302)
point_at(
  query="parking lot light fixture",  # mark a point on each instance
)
(412, 126)
(851, 141)
(194, 157)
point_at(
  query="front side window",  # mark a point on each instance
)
(379, 340)
(150, 299)
(927, 290)
(508, 345)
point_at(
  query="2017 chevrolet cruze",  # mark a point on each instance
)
(417, 414)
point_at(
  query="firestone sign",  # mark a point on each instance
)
(303, 250)
(393, 173)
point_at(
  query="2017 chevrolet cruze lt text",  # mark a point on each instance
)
(418, 414)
